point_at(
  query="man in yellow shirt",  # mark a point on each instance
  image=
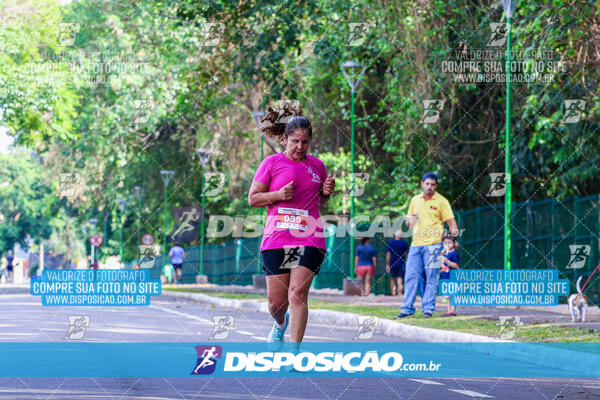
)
(427, 213)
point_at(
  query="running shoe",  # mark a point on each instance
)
(277, 335)
(295, 349)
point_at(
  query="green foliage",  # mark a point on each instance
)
(37, 106)
(27, 202)
(203, 96)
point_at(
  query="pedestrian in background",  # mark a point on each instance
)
(365, 262)
(9, 264)
(449, 259)
(395, 259)
(177, 254)
(427, 214)
(3, 272)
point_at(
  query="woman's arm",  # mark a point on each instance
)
(259, 195)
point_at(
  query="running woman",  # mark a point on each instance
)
(291, 184)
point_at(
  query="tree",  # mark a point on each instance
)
(27, 201)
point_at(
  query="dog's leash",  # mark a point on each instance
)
(590, 277)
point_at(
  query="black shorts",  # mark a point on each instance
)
(398, 272)
(175, 266)
(281, 261)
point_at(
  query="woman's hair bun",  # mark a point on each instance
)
(278, 116)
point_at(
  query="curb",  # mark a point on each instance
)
(535, 353)
(387, 327)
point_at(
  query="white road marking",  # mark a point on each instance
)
(426, 382)
(470, 393)
(10, 296)
(203, 320)
(132, 330)
(320, 338)
(17, 334)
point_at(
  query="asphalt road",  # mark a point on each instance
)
(23, 319)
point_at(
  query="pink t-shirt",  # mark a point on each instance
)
(295, 222)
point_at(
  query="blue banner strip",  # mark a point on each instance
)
(356, 359)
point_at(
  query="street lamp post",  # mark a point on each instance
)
(121, 203)
(139, 194)
(350, 71)
(85, 229)
(509, 7)
(93, 222)
(257, 116)
(204, 157)
(166, 176)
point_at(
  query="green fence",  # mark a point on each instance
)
(541, 235)
(234, 262)
(230, 263)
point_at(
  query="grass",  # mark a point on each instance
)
(225, 295)
(462, 323)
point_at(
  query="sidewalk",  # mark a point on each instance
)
(557, 315)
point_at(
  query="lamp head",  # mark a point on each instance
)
(166, 176)
(257, 116)
(350, 64)
(350, 69)
(139, 192)
(203, 156)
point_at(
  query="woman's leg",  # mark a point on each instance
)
(277, 294)
(363, 289)
(300, 280)
(359, 274)
(368, 284)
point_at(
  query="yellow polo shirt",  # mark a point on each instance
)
(432, 215)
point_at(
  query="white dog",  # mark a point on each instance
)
(578, 304)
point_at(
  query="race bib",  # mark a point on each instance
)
(292, 218)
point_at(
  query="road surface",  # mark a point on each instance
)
(181, 320)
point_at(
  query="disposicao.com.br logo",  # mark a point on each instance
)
(323, 362)
(316, 360)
